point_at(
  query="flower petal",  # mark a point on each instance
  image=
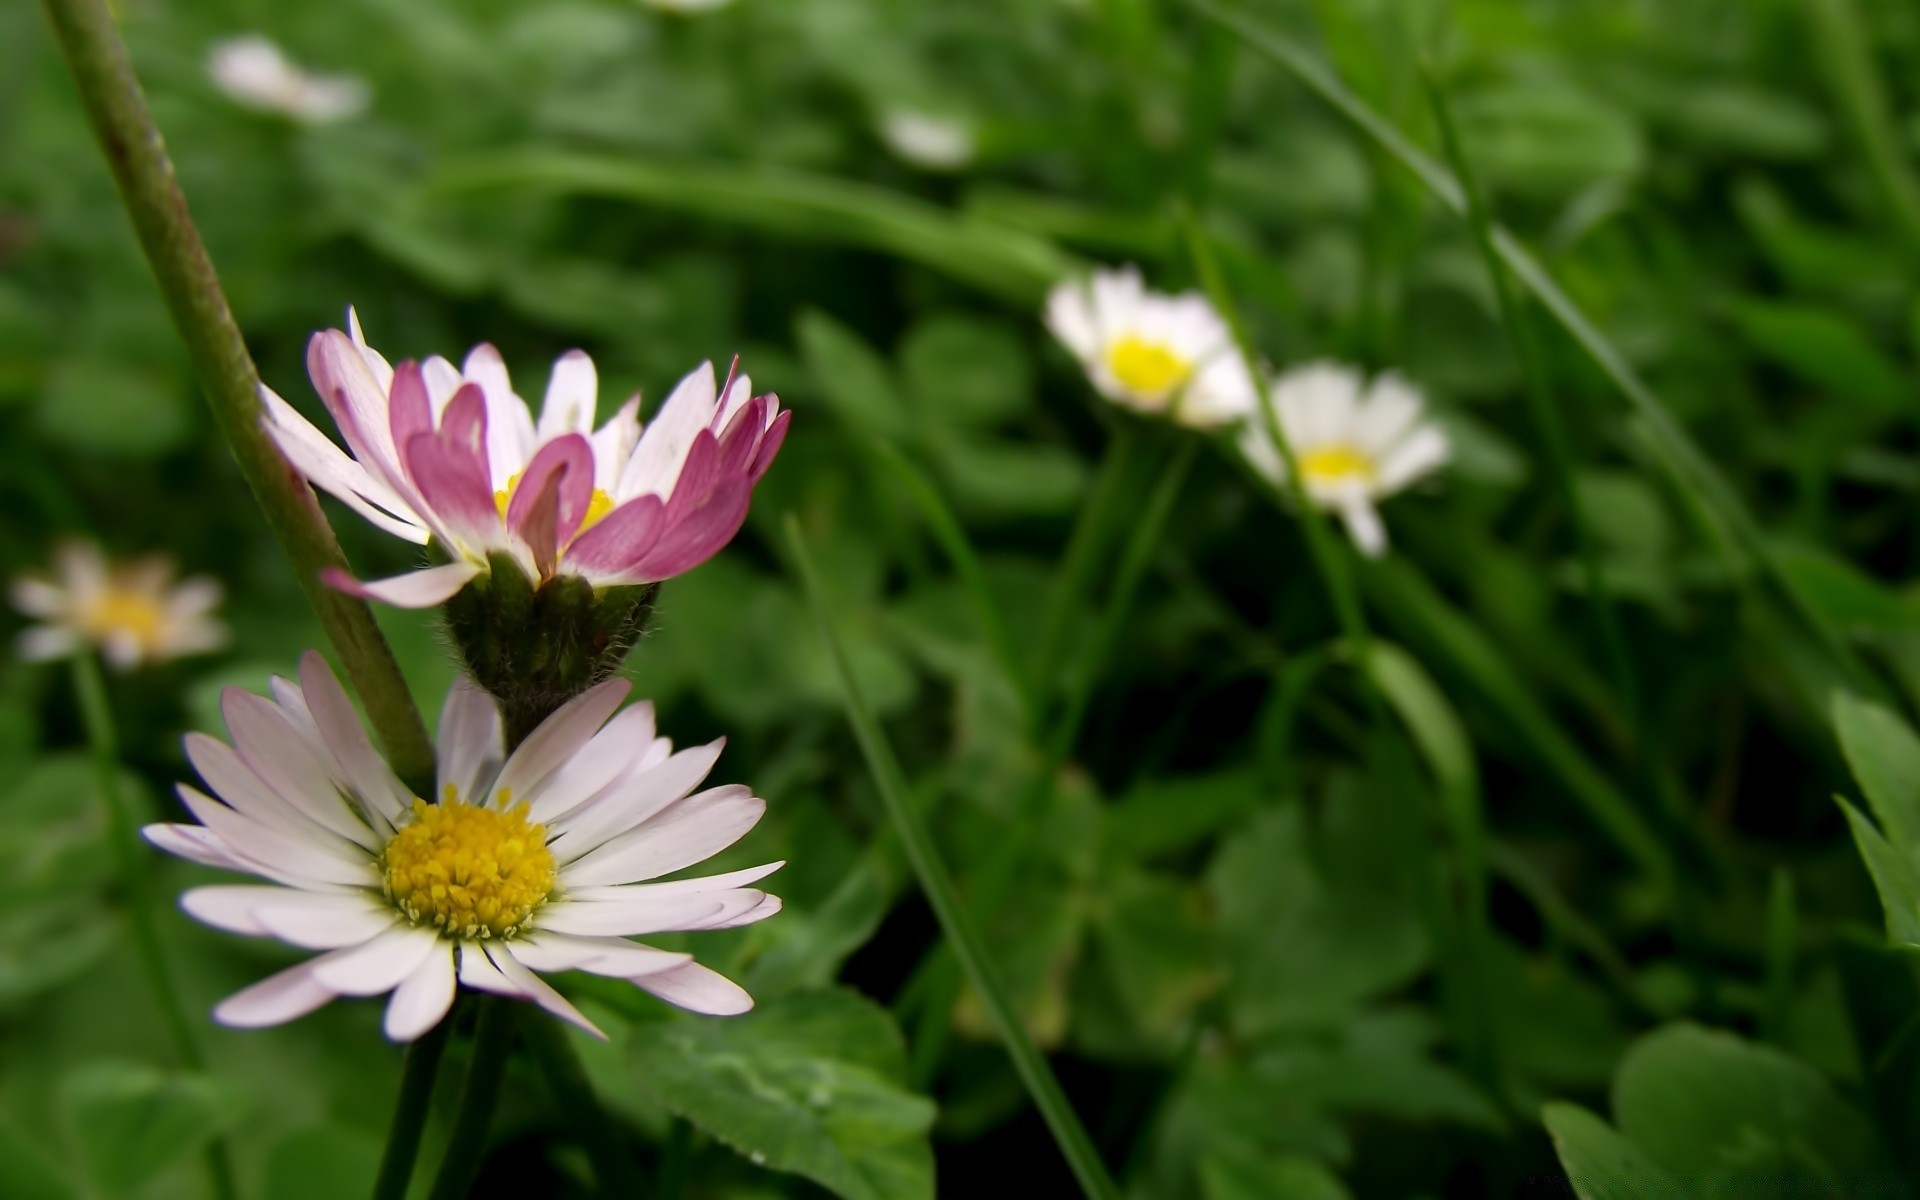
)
(422, 998)
(688, 832)
(537, 989)
(378, 964)
(471, 744)
(425, 588)
(557, 739)
(571, 393)
(619, 745)
(632, 801)
(698, 989)
(275, 1000)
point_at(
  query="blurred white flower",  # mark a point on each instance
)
(926, 140)
(252, 71)
(1356, 442)
(528, 863)
(1166, 355)
(134, 612)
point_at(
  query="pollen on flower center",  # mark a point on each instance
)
(469, 871)
(598, 505)
(130, 613)
(1146, 367)
(1337, 464)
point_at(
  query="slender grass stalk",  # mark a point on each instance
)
(615, 1173)
(479, 1093)
(1686, 464)
(1845, 49)
(410, 1111)
(1077, 566)
(96, 713)
(955, 922)
(1546, 415)
(138, 159)
(953, 539)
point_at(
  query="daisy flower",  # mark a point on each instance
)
(252, 71)
(524, 864)
(135, 612)
(1356, 442)
(1165, 355)
(929, 140)
(452, 456)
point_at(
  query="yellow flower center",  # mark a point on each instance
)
(133, 614)
(1149, 368)
(467, 870)
(598, 505)
(1337, 464)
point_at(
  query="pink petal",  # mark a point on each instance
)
(743, 436)
(409, 412)
(416, 589)
(699, 535)
(770, 445)
(563, 466)
(621, 537)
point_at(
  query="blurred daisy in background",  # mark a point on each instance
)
(524, 864)
(252, 71)
(454, 457)
(928, 140)
(1356, 442)
(135, 612)
(1154, 353)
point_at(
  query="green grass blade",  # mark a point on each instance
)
(1845, 51)
(1690, 468)
(955, 923)
(1018, 267)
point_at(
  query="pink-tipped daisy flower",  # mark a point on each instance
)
(452, 456)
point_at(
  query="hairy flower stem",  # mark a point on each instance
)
(138, 158)
(123, 831)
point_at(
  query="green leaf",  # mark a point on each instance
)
(1824, 350)
(1547, 140)
(1600, 1163)
(812, 1084)
(1285, 1177)
(1894, 873)
(1843, 595)
(851, 375)
(130, 1122)
(1738, 1119)
(112, 406)
(322, 1164)
(1884, 754)
(966, 371)
(998, 477)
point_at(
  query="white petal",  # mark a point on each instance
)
(1069, 316)
(537, 989)
(677, 887)
(424, 588)
(558, 738)
(612, 753)
(642, 915)
(422, 998)
(478, 972)
(571, 394)
(38, 598)
(691, 831)
(698, 989)
(269, 852)
(267, 740)
(230, 907)
(631, 801)
(233, 781)
(345, 738)
(194, 843)
(377, 965)
(275, 1000)
(1365, 527)
(1425, 450)
(325, 922)
(656, 462)
(470, 740)
(611, 956)
(43, 643)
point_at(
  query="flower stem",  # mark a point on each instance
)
(492, 1040)
(410, 1112)
(614, 1171)
(138, 158)
(1077, 567)
(955, 923)
(123, 831)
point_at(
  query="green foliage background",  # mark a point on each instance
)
(1247, 923)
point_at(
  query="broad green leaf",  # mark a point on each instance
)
(1748, 120)
(1895, 876)
(1284, 1177)
(966, 371)
(1845, 596)
(811, 1083)
(1884, 754)
(1739, 1119)
(323, 1164)
(130, 1122)
(1441, 737)
(851, 375)
(1378, 1064)
(1010, 478)
(1824, 350)
(1547, 140)
(1159, 950)
(1167, 816)
(1600, 1163)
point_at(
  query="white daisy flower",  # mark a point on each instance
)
(927, 140)
(527, 863)
(1160, 354)
(1356, 442)
(253, 72)
(135, 612)
(454, 456)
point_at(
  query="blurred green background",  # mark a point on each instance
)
(1223, 936)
